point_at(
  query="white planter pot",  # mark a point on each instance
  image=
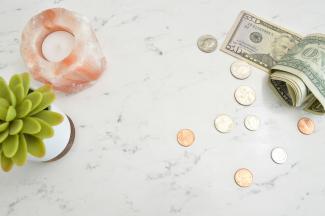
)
(58, 145)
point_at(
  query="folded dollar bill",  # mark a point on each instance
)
(296, 64)
(299, 77)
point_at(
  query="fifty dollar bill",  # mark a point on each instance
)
(258, 42)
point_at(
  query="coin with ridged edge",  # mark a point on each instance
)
(224, 123)
(243, 177)
(185, 137)
(240, 70)
(207, 43)
(252, 122)
(245, 95)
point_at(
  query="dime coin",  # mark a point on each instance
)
(224, 123)
(243, 177)
(245, 95)
(306, 126)
(240, 70)
(207, 43)
(185, 137)
(279, 155)
(252, 122)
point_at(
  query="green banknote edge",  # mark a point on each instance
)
(305, 73)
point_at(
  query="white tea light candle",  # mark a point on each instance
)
(57, 46)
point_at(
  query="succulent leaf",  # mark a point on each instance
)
(46, 130)
(6, 163)
(15, 126)
(4, 103)
(26, 82)
(20, 157)
(12, 98)
(6, 93)
(10, 146)
(52, 118)
(23, 109)
(19, 93)
(15, 80)
(4, 90)
(3, 113)
(48, 98)
(36, 98)
(11, 114)
(4, 135)
(31, 126)
(35, 146)
(4, 126)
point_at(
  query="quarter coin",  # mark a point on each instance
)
(245, 95)
(224, 123)
(279, 155)
(243, 177)
(207, 43)
(185, 137)
(252, 122)
(306, 126)
(240, 70)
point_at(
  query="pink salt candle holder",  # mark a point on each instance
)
(61, 49)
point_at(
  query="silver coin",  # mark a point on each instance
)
(224, 123)
(240, 70)
(279, 155)
(245, 95)
(207, 43)
(252, 122)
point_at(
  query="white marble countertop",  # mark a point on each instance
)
(126, 160)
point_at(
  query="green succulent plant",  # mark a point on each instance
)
(25, 120)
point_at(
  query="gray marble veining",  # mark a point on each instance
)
(126, 160)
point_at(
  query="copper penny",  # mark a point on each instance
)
(185, 137)
(243, 177)
(306, 126)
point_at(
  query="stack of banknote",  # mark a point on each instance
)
(296, 64)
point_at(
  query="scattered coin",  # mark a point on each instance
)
(185, 137)
(224, 123)
(252, 122)
(240, 70)
(279, 155)
(306, 126)
(207, 43)
(243, 177)
(245, 95)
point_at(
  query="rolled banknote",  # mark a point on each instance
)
(299, 76)
(296, 64)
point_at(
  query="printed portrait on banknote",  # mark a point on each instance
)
(258, 42)
(277, 49)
